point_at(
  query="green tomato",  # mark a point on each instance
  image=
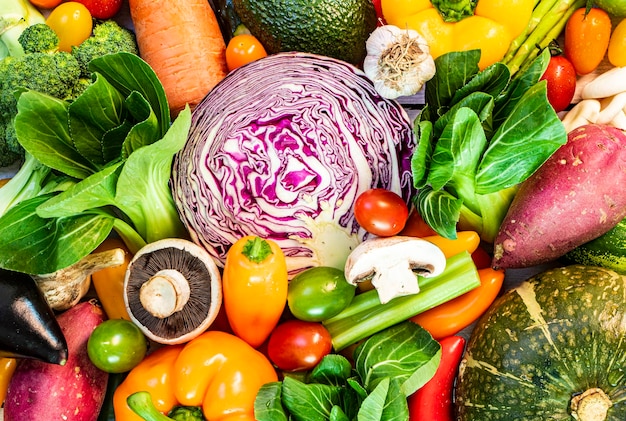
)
(319, 293)
(116, 346)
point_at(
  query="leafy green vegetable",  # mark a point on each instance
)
(480, 135)
(116, 145)
(389, 366)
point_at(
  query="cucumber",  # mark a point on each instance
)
(608, 250)
(554, 348)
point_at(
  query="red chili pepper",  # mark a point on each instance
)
(433, 401)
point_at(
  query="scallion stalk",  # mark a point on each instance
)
(366, 315)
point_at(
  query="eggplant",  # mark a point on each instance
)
(29, 327)
(227, 18)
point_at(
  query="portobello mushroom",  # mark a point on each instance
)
(172, 290)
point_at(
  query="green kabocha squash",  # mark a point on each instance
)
(553, 348)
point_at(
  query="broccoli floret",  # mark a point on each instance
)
(15, 16)
(108, 38)
(39, 38)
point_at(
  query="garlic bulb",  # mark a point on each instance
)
(398, 61)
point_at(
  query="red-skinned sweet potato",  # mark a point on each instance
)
(71, 392)
(575, 196)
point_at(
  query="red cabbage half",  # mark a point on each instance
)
(281, 148)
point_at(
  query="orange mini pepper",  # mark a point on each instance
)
(464, 241)
(109, 282)
(216, 371)
(455, 315)
(254, 283)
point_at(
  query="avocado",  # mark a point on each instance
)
(334, 28)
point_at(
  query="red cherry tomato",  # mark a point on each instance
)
(296, 345)
(561, 78)
(243, 49)
(102, 9)
(381, 212)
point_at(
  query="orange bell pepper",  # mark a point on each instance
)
(455, 315)
(254, 283)
(447, 26)
(216, 371)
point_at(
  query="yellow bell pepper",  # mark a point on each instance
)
(216, 371)
(491, 26)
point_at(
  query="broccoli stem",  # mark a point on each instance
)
(27, 182)
(366, 315)
(551, 24)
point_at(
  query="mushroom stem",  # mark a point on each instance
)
(165, 293)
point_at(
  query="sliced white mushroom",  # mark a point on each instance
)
(393, 263)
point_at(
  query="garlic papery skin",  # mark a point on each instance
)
(398, 61)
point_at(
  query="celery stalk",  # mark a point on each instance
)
(366, 315)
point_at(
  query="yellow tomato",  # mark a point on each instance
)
(617, 45)
(72, 22)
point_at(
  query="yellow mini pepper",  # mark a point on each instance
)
(462, 25)
(216, 371)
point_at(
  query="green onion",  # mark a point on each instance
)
(366, 315)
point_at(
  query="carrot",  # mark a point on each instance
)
(182, 42)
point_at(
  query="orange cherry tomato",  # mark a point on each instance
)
(72, 22)
(243, 49)
(45, 4)
(587, 39)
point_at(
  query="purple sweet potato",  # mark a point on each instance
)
(575, 196)
(71, 392)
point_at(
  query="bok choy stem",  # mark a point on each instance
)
(366, 315)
